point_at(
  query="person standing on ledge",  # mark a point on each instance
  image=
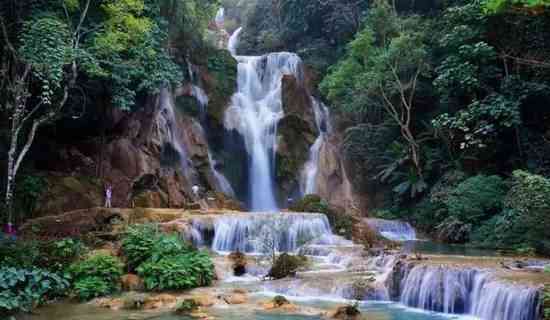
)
(108, 196)
(196, 194)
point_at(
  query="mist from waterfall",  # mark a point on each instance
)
(308, 181)
(255, 111)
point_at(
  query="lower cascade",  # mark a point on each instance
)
(393, 229)
(468, 291)
(251, 233)
(339, 270)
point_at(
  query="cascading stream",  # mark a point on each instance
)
(308, 182)
(255, 111)
(468, 291)
(393, 229)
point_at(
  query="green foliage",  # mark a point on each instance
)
(96, 276)
(177, 272)
(476, 199)
(286, 265)
(18, 254)
(48, 52)
(29, 189)
(497, 6)
(138, 244)
(57, 255)
(24, 289)
(525, 221)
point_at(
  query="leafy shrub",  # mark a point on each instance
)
(525, 221)
(476, 199)
(138, 244)
(182, 271)
(60, 254)
(97, 276)
(23, 289)
(18, 254)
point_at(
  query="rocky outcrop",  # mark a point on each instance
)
(332, 180)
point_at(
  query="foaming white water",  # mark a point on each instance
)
(202, 99)
(393, 229)
(222, 183)
(468, 291)
(234, 41)
(167, 125)
(255, 111)
(245, 233)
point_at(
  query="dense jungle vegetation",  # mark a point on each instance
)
(443, 107)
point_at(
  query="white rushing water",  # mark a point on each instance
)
(255, 111)
(220, 18)
(222, 183)
(308, 181)
(468, 291)
(250, 233)
(202, 99)
(234, 41)
(168, 125)
(393, 229)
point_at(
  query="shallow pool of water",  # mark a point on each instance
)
(372, 311)
(432, 247)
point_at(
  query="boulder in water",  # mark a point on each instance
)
(348, 312)
(280, 303)
(239, 263)
(236, 298)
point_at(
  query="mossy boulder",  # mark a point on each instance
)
(286, 265)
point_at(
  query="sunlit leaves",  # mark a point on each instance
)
(46, 51)
(496, 6)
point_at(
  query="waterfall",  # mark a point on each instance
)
(393, 229)
(468, 291)
(250, 233)
(220, 18)
(234, 41)
(255, 111)
(222, 182)
(308, 182)
(168, 124)
(202, 99)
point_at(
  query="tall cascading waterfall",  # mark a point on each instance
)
(255, 111)
(468, 291)
(308, 181)
(392, 229)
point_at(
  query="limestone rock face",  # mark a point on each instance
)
(296, 133)
(333, 184)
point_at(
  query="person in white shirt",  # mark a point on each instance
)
(108, 196)
(196, 190)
